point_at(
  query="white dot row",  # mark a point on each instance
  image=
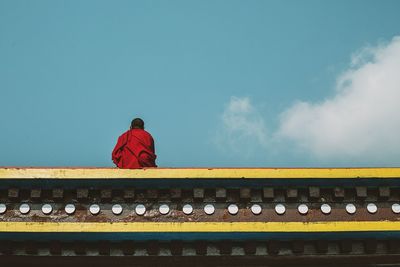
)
(209, 209)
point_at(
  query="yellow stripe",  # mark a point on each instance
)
(199, 227)
(196, 173)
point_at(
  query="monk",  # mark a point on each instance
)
(135, 148)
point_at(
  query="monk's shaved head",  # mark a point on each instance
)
(137, 123)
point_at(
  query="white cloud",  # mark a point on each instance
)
(358, 125)
(362, 121)
(243, 129)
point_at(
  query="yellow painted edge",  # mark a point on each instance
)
(198, 227)
(196, 173)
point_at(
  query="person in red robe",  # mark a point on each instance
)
(135, 148)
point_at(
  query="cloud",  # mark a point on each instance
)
(243, 129)
(358, 125)
(361, 122)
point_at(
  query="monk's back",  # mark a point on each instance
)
(134, 149)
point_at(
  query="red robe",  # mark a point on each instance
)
(134, 150)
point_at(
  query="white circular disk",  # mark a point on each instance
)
(233, 209)
(47, 209)
(163, 209)
(3, 208)
(116, 209)
(209, 209)
(326, 209)
(140, 209)
(303, 209)
(69, 208)
(256, 209)
(280, 209)
(94, 209)
(372, 208)
(24, 208)
(187, 209)
(350, 208)
(396, 208)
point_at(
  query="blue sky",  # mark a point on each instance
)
(218, 83)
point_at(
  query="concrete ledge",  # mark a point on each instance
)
(198, 173)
